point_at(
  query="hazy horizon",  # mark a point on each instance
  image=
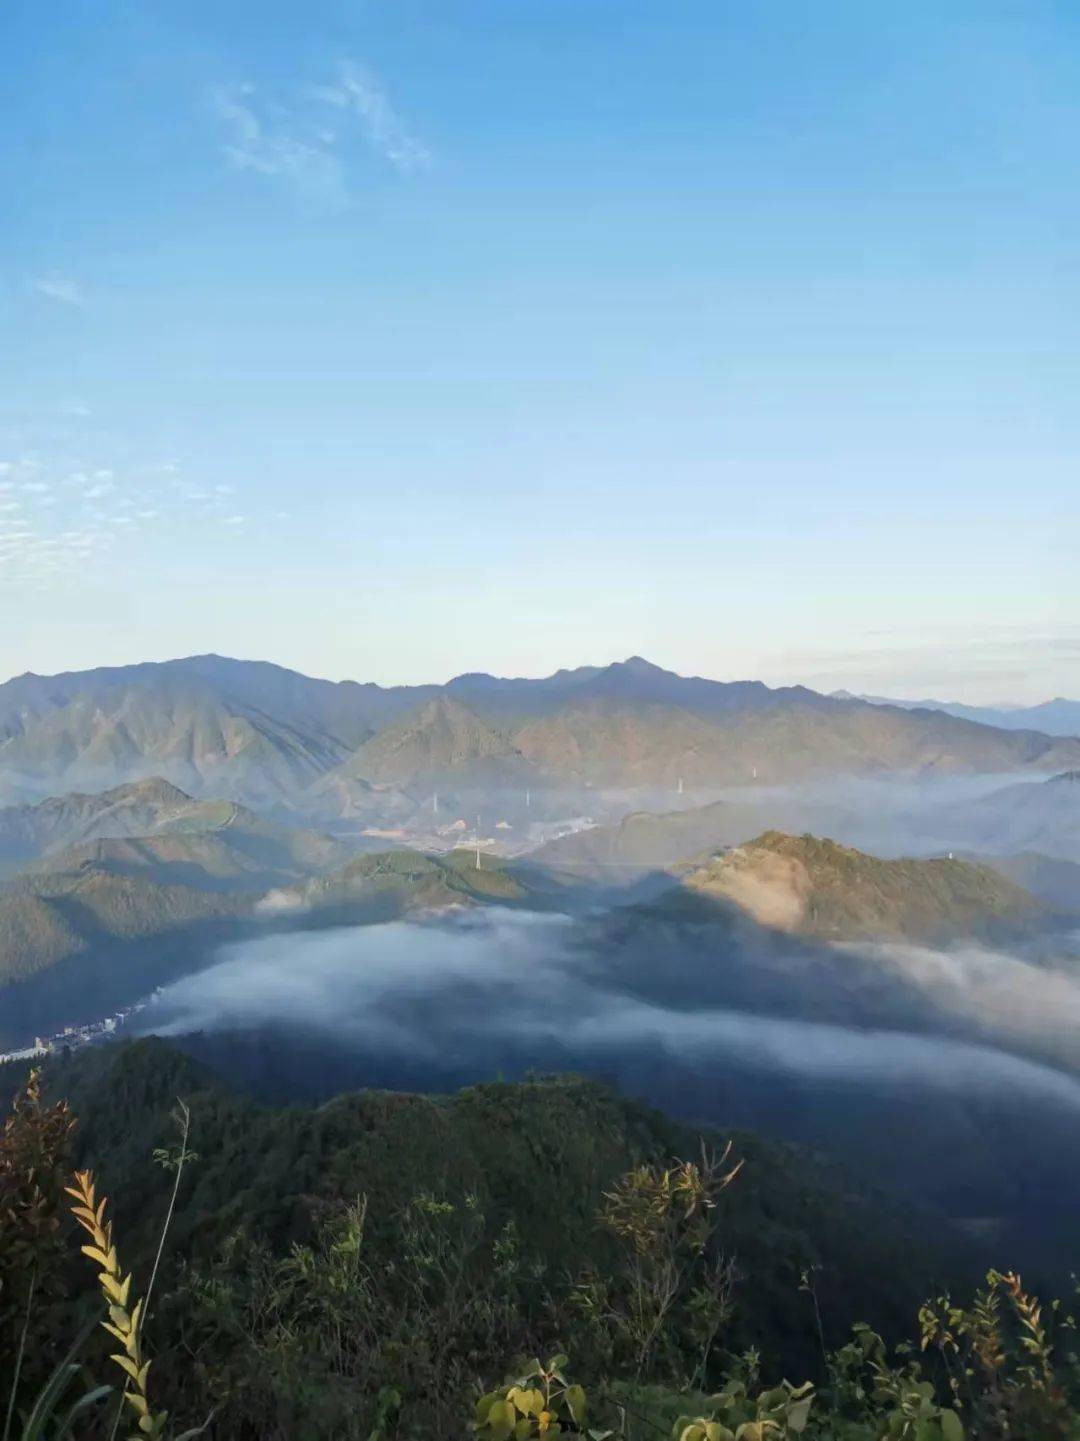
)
(1003, 701)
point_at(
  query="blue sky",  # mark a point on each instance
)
(393, 340)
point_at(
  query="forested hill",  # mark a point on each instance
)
(371, 1267)
(537, 1155)
(815, 887)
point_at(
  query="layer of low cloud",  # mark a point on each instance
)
(497, 985)
(1032, 1003)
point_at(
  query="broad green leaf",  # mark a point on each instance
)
(501, 1419)
(951, 1426)
(798, 1413)
(575, 1401)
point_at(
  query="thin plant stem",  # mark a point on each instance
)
(185, 1129)
(19, 1356)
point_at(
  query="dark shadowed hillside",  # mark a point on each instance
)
(538, 1154)
(54, 917)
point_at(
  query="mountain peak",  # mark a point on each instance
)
(152, 788)
(638, 665)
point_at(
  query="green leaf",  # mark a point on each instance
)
(951, 1427)
(575, 1401)
(501, 1420)
(798, 1413)
(484, 1405)
(84, 1403)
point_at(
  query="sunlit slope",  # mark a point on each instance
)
(399, 882)
(815, 887)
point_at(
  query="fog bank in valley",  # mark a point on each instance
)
(953, 1112)
(487, 988)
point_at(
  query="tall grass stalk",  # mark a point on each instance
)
(19, 1358)
(183, 1119)
(176, 1163)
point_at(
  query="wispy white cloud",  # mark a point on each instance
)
(278, 147)
(61, 289)
(62, 516)
(359, 92)
(289, 138)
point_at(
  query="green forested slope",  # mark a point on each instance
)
(368, 1269)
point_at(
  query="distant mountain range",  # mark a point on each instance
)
(1057, 717)
(280, 741)
(1028, 831)
(1041, 816)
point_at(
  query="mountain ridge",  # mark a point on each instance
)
(267, 737)
(1057, 716)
